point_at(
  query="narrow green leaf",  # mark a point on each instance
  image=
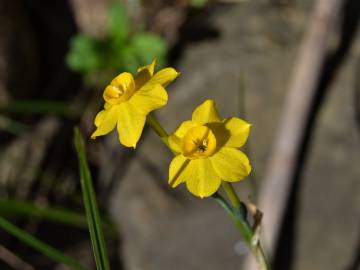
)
(60, 215)
(91, 208)
(55, 214)
(198, 3)
(39, 245)
(247, 147)
(37, 107)
(12, 126)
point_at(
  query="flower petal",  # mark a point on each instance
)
(120, 89)
(231, 132)
(149, 68)
(206, 113)
(105, 121)
(149, 98)
(179, 170)
(231, 164)
(99, 118)
(176, 138)
(125, 79)
(130, 124)
(203, 180)
(144, 74)
(239, 131)
(164, 76)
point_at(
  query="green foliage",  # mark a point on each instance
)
(146, 45)
(85, 54)
(198, 3)
(118, 23)
(39, 245)
(100, 60)
(91, 208)
(37, 107)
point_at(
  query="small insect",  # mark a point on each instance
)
(201, 145)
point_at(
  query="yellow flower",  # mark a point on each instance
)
(207, 151)
(129, 100)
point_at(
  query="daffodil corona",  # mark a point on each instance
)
(129, 100)
(207, 151)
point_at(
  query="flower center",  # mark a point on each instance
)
(118, 91)
(115, 91)
(199, 142)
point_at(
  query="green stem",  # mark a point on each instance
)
(39, 245)
(230, 192)
(239, 216)
(238, 219)
(159, 130)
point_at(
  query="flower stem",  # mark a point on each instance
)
(230, 192)
(238, 213)
(159, 130)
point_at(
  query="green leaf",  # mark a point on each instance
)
(125, 59)
(39, 245)
(91, 208)
(84, 55)
(118, 22)
(12, 126)
(148, 46)
(55, 214)
(198, 3)
(37, 107)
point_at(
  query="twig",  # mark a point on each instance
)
(13, 260)
(277, 183)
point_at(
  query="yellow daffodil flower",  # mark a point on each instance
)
(207, 151)
(129, 100)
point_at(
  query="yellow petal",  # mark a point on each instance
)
(105, 121)
(150, 68)
(179, 170)
(147, 98)
(174, 143)
(231, 164)
(130, 124)
(100, 118)
(206, 113)
(239, 131)
(184, 128)
(144, 74)
(203, 180)
(123, 79)
(164, 76)
(231, 132)
(176, 138)
(107, 105)
(120, 89)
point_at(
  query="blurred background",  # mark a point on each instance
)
(256, 58)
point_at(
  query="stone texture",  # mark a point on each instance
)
(330, 201)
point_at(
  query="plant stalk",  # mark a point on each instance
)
(159, 130)
(239, 216)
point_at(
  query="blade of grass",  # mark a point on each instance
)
(91, 208)
(12, 126)
(39, 245)
(55, 214)
(60, 215)
(247, 147)
(38, 107)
